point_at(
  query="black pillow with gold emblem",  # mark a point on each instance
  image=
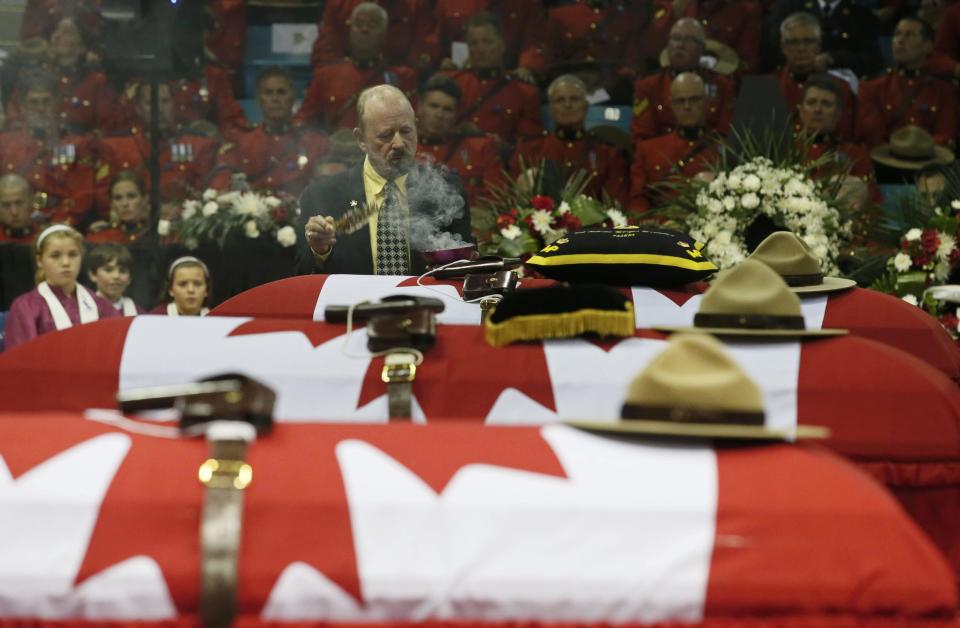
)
(629, 256)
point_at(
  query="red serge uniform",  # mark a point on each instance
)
(852, 154)
(227, 37)
(946, 44)
(208, 98)
(522, 24)
(281, 161)
(184, 160)
(653, 117)
(86, 102)
(118, 234)
(40, 17)
(409, 27)
(474, 158)
(331, 99)
(62, 169)
(659, 158)
(498, 104)
(791, 86)
(19, 236)
(581, 32)
(578, 150)
(900, 98)
(737, 23)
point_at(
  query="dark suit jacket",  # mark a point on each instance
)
(436, 200)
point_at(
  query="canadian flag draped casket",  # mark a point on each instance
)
(452, 522)
(891, 413)
(866, 313)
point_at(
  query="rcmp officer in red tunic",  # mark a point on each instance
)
(495, 101)
(908, 95)
(800, 42)
(571, 147)
(473, 156)
(330, 102)
(736, 23)
(185, 158)
(597, 30)
(652, 114)
(58, 165)
(85, 100)
(15, 209)
(520, 23)
(820, 111)
(407, 40)
(276, 155)
(689, 151)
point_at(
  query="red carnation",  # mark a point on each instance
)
(505, 220)
(922, 259)
(542, 202)
(930, 241)
(569, 222)
(950, 321)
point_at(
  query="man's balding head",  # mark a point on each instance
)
(688, 100)
(14, 202)
(387, 130)
(686, 44)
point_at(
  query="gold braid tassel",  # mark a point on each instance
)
(565, 325)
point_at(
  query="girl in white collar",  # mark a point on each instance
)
(188, 288)
(108, 267)
(58, 301)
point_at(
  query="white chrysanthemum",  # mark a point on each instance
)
(729, 203)
(229, 198)
(735, 181)
(941, 270)
(541, 220)
(751, 183)
(511, 232)
(271, 201)
(902, 262)
(913, 235)
(209, 194)
(210, 209)
(909, 298)
(286, 236)
(250, 229)
(955, 204)
(750, 201)
(947, 242)
(617, 218)
(190, 209)
(249, 204)
(564, 208)
(163, 227)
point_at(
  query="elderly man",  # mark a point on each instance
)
(800, 42)
(473, 156)
(15, 210)
(414, 208)
(497, 102)
(907, 95)
(185, 158)
(331, 99)
(276, 155)
(571, 147)
(57, 164)
(687, 152)
(652, 115)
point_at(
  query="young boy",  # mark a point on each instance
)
(108, 267)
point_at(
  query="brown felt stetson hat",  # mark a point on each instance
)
(790, 257)
(911, 148)
(725, 59)
(694, 388)
(752, 300)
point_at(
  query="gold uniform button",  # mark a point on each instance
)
(333, 98)
(269, 179)
(126, 164)
(569, 144)
(568, 35)
(569, 164)
(845, 35)
(889, 107)
(476, 119)
(659, 107)
(933, 109)
(509, 111)
(656, 167)
(469, 166)
(593, 27)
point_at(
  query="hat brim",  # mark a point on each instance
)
(727, 60)
(829, 284)
(700, 430)
(758, 333)
(883, 155)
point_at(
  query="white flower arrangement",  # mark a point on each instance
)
(215, 216)
(727, 206)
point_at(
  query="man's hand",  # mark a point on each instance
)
(321, 234)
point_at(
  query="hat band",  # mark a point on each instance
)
(748, 321)
(690, 415)
(803, 280)
(926, 156)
